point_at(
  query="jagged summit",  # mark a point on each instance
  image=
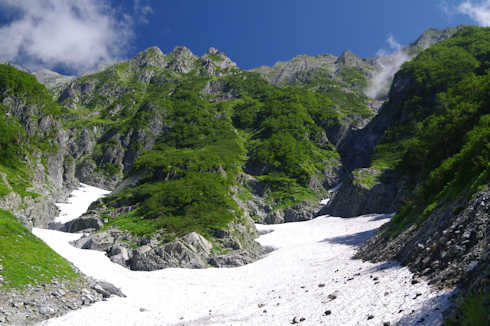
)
(348, 58)
(182, 60)
(181, 52)
(212, 50)
(371, 75)
(433, 35)
(151, 56)
(215, 59)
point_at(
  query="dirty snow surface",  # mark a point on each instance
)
(310, 279)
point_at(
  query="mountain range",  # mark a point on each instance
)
(196, 150)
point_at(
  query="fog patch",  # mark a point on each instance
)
(389, 64)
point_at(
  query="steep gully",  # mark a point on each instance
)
(310, 278)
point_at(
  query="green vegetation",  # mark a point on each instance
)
(215, 57)
(26, 259)
(353, 77)
(345, 91)
(366, 177)
(188, 176)
(25, 86)
(287, 143)
(186, 180)
(244, 195)
(17, 146)
(474, 311)
(441, 140)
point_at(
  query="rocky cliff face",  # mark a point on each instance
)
(450, 243)
(42, 181)
(450, 249)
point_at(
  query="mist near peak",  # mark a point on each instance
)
(388, 64)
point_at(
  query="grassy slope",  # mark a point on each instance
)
(26, 259)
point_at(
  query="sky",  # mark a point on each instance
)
(74, 36)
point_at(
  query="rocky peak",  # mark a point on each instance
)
(213, 59)
(182, 59)
(348, 58)
(152, 56)
(212, 51)
(327, 57)
(433, 35)
(182, 52)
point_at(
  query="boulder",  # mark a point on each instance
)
(189, 251)
(107, 289)
(83, 223)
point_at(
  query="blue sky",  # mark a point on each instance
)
(75, 35)
(256, 32)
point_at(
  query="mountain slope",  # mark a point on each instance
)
(31, 160)
(436, 152)
(35, 282)
(195, 145)
(196, 150)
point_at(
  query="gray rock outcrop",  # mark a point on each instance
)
(448, 245)
(233, 247)
(367, 192)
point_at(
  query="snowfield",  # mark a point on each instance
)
(78, 202)
(310, 279)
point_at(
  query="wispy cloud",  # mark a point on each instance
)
(446, 8)
(74, 34)
(142, 11)
(479, 11)
(390, 62)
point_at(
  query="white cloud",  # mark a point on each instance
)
(142, 11)
(446, 8)
(394, 45)
(389, 66)
(74, 34)
(479, 11)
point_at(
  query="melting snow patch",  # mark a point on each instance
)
(324, 201)
(78, 202)
(311, 279)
